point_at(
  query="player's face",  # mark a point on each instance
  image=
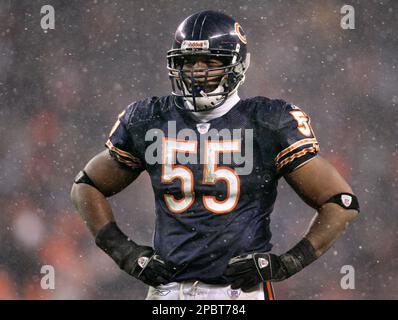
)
(196, 66)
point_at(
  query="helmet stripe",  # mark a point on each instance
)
(201, 27)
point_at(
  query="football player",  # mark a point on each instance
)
(214, 161)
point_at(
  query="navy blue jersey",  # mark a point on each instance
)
(215, 183)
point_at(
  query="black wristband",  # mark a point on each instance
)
(115, 243)
(300, 256)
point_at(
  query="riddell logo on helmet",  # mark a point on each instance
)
(197, 44)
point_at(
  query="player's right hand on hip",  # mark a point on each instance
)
(149, 267)
(139, 261)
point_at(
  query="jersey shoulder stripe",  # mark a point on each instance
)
(123, 156)
(301, 153)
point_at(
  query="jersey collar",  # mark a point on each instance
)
(206, 116)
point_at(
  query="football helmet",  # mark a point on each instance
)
(220, 42)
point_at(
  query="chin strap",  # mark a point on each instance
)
(207, 101)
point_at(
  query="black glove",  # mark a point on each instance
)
(139, 261)
(247, 271)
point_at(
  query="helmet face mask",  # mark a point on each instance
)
(200, 85)
(222, 56)
(207, 76)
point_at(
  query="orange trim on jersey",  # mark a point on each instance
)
(122, 153)
(228, 193)
(216, 167)
(173, 166)
(297, 155)
(295, 146)
(121, 156)
(127, 162)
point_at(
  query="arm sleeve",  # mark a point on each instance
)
(297, 143)
(120, 144)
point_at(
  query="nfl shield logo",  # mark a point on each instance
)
(346, 199)
(203, 127)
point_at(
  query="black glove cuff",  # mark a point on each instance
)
(300, 256)
(115, 243)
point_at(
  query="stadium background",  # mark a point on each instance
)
(60, 93)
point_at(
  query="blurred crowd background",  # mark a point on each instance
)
(61, 91)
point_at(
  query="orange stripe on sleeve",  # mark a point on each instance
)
(297, 155)
(295, 146)
(118, 151)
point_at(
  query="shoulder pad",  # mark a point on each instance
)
(147, 109)
(268, 112)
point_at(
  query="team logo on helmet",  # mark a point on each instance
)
(240, 33)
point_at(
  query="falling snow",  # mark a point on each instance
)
(61, 92)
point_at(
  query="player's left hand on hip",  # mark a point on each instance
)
(247, 271)
(151, 269)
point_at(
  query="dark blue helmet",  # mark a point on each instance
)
(212, 36)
